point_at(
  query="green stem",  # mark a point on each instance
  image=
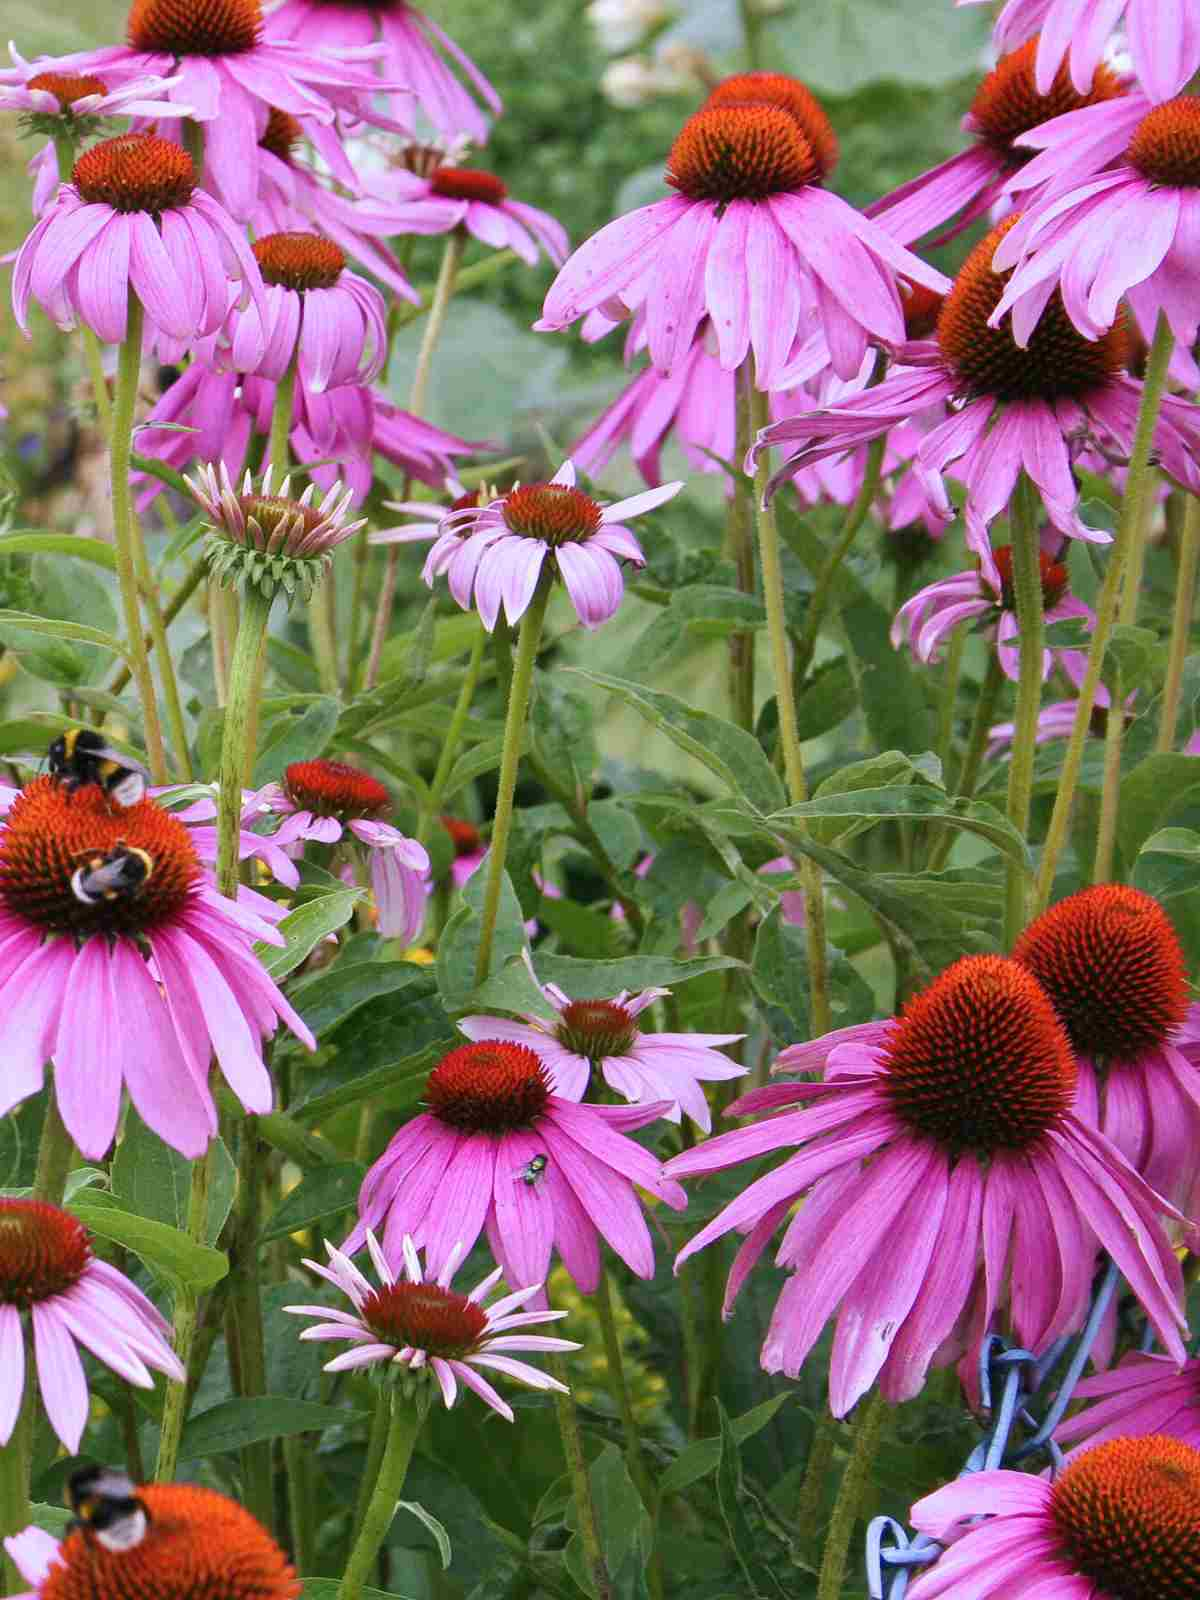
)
(95, 366)
(187, 587)
(1131, 590)
(575, 805)
(407, 1416)
(1137, 482)
(470, 278)
(985, 716)
(15, 1465)
(302, 1518)
(867, 1426)
(148, 589)
(581, 1487)
(243, 673)
(740, 545)
(279, 454)
(1181, 622)
(222, 625)
(619, 1389)
(1110, 787)
(381, 1427)
(55, 1154)
(246, 1320)
(816, 1476)
(121, 444)
(789, 737)
(1030, 608)
(752, 31)
(948, 700)
(458, 721)
(510, 756)
(175, 1404)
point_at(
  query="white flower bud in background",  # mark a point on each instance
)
(621, 24)
(634, 81)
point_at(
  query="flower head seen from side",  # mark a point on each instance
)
(750, 239)
(1142, 1394)
(107, 915)
(1112, 964)
(497, 1149)
(320, 800)
(133, 218)
(1164, 39)
(1123, 1520)
(450, 197)
(1011, 407)
(934, 612)
(603, 1036)
(267, 539)
(178, 1542)
(418, 1326)
(51, 1282)
(935, 1144)
(469, 849)
(501, 548)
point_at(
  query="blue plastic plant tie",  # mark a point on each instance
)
(1002, 1427)
(1074, 1372)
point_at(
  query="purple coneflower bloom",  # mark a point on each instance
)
(496, 1149)
(1057, 717)
(498, 550)
(321, 800)
(935, 611)
(413, 50)
(47, 1270)
(1122, 1520)
(421, 1323)
(1128, 231)
(132, 217)
(603, 1035)
(1163, 36)
(314, 311)
(1144, 1394)
(752, 241)
(464, 197)
(199, 816)
(1115, 971)
(107, 914)
(1011, 408)
(936, 1144)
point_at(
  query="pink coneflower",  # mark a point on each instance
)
(199, 816)
(469, 849)
(414, 47)
(1144, 1394)
(1122, 1520)
(47, 1270)
(107, 914)
(1115, 971)
(229, 72)
(497, 1150)
(133, 217)
(934, 612)
(1057, 718)
(603, 1036)
(753, 241)
(498, 550)
(1011, 408)
(422, 1324)
(451, 197)
(936, 1143)
(314, 311)
(323, 800)
(1163, 38)
(1126, 232)
(425, 517)
(1007, 104)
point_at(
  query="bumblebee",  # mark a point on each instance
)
(118, 874)
(107, 1508)
(80, 756)
(531, 1174)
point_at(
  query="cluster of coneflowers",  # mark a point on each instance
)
(966, 1166)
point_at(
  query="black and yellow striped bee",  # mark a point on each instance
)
(80, 756)
(107, 1508)
(115, 874)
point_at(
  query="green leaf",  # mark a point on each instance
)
(732, 754)
(624, 1527)
(779, 973)
(296, 738)
(154, 1181)
(51, 1519)
(398, 1084)
(829, 697)
(739, 1533)
(845, 44)
(328, 1589)
(165, 1250)
(440, 1537)
(235, 1423)
(59, 544)
(326, 1000)
(320, 1193)
(305, 927)
(15, 623)
(1129, 658)
(562, 727)
(472, 764)
(579, 927)
(460, 939)
(916, 803)
(1181, 842)
(1155, 789)
(701, 1458)
(598, 979)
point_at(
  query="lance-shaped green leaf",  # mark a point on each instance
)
(165, 1250)
(15, 623)
(305, 927)
(913, 803)
(25, 542)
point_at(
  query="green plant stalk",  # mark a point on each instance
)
(985, 715)
(186, 588)
(1131, 591)
(243, 675)
(303, 1520)
(279, 453)
(120, 444)
(528, 640)
(175, 1404)
(752, 39)
(442, 295)
(1110, 787)
(739, 538)
(618, 1388)
(581, 1487)
(1181, 623)
(244, 1313)
(1030, 608)
(816, 1476)
(222, 624)
(55, 1154)
(15, 1465)
(148, 590)
(867, 1427)
(381, 1427)
(789, 737)
(407, 1417)
(948, 699)
(470, 278)
(576, 808)
(1137, 483)
(64, 154)
(458, 721)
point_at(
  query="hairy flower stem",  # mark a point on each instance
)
(248, 1362)
(816, 1477)
(440, 304)
(55, 1153)
(186, 588)
(789, 737)
(752, 43)
(1030, 607)
(1110, 787)
(175, 1403)
(948, 698)
(1137, 483)
(120, 445)
(243, 678)
(15, 1466)
(407, 1417)
(739, 539)
(1181, 623)
(528, 640)
(619, 1389)
(964, 789)
(458, 721)
(867, 1427)
(572, 1440)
